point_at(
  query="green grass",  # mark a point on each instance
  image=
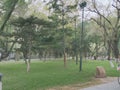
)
(49, 74)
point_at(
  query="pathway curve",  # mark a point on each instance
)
(108, 83)
(107, 86)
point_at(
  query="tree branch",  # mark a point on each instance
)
(6, 54)
(98, 12)
(8, 15)
(100, 24)
(118, 12)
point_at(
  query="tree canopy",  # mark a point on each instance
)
(54, 26)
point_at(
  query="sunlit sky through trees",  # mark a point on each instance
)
(38, 6)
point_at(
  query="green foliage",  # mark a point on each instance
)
(33, 31)
(9, 7)
(19, 22)
(49, 34)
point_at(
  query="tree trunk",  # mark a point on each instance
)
(29, 56)
(115, 45)
(28, 65)
(109, 49)
(76, 58)
(65, 58)
(115, 48)
(96, 51)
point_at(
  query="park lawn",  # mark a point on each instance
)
(49, 74)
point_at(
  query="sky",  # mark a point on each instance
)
(105, 1)
(39, 7)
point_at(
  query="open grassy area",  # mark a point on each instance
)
(49, 74)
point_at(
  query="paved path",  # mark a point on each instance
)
(107, 86)
(0, 85)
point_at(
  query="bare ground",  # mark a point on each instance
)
(95, 81)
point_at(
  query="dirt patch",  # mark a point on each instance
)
(93, 82)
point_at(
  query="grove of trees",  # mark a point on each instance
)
(52, 28)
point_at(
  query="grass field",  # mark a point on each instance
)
(49, 74)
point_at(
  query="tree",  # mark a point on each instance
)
(61, 8)
(7, 8)
(109, 25)
(27, 34)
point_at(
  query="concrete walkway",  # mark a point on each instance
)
(107, 86)
(0, 85)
